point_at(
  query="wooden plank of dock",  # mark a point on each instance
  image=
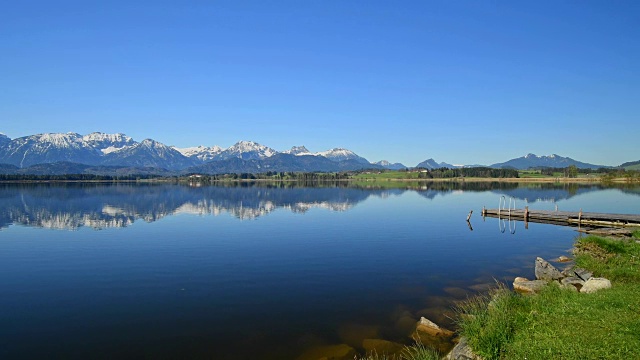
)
(565, 217)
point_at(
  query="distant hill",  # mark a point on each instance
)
(632, 165)
(390, 166)
(535, 161)
(432, 164)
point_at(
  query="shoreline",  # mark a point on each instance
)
(517, 322)
(368, 180)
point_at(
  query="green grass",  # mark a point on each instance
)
(531, 174)
(561, 324)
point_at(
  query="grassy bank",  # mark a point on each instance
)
(560, 324)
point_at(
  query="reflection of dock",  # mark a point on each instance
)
(564, 217)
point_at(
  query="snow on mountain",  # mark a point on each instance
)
(202, 153)
(108, 143)
(390, 166)
(46, 148)
(246, 150)
(298, 151)
(341, 154)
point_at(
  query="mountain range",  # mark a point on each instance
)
(534, 161)
(100, 153)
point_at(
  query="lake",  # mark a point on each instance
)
(257, 270)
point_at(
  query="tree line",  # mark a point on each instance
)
(485, 172)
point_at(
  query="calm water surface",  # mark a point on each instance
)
(256, 271)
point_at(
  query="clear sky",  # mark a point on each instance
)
(463, 82)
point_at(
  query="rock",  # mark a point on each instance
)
(462, 351)
(546, 271)
(568, 271)
(381, 347)
(429, 327)
(594, 284)
(582, 274)
(329, 352)
(525, 286)
(572, 281)
(432, 335)
(520, 279)
(563, 259)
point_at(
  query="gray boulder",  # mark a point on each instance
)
(526, 286)
(594, 284)
(546, 271)
(582, 274)
(462, 351)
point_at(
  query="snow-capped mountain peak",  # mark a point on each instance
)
(342, 154)
(108, 143)
(102, 137)
(68, 140)
(298, 151)
(203, 153)
(246, 150)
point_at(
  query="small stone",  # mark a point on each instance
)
(563, 259)
(431, 328)
(594, 284)
(529, 287)
(432, 335)
(520, 279)
(546, 271)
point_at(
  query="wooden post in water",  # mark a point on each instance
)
(579, 217)
(469, 216)
(526, 217)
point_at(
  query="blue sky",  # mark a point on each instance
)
(458, 81)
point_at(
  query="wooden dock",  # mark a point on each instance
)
(567, 218)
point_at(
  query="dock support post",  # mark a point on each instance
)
(526, 217)
(580, 217)
(469, 216)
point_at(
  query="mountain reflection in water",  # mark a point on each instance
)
(99, 206)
